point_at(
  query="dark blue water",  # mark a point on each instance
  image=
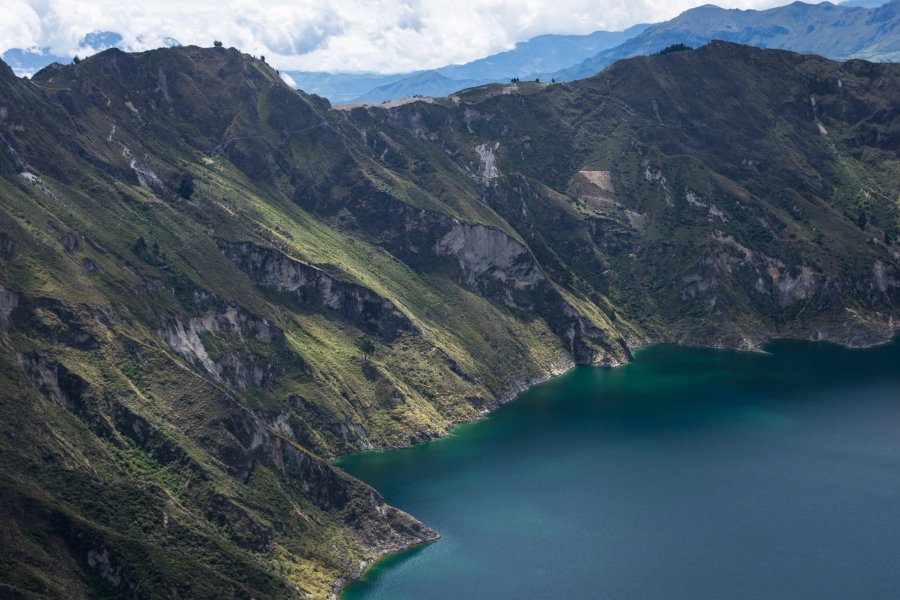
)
(688, 473)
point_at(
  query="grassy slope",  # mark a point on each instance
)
(191, 501)
(207, 454)
(735, 129)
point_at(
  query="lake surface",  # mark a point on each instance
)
(688, 473)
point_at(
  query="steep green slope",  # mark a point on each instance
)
(200, 354)
(212, 284)
(719, 196)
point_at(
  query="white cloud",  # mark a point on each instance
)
(20, 26)
(342, 35)
(288, 80)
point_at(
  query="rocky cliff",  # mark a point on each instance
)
(212, 284)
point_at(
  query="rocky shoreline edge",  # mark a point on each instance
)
(561, 367)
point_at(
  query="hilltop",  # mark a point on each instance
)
(212, 284)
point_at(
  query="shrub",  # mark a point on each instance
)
(671, 49)
(186, 186)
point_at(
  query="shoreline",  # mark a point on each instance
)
(341, 585)
(515, 390)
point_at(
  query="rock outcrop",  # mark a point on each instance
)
(313, 287)
(175, 379)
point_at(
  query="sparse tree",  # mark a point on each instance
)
(861, 220)
(150, 254)
(537, 79)
(140, 247)
(367, 346)
(262, 57)
(186, 186)
(671, 49)
(76, 60)
(217, 44)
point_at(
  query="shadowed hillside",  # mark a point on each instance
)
(211, 284)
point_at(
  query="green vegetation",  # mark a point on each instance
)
(212, 284)
(186, 186)
(671, 49)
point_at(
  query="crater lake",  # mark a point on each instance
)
(687, 473)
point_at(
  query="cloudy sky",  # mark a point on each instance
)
(385, 36)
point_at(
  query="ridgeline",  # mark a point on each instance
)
(212, 284)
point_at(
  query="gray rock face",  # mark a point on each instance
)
(791, 289)
(313, 287)
(8, 302)
(376, 524)
(10, 158)
(7, 246)
(305, 422)
(238, 367)
(53, 380)
(481, 251)
(45, 318)
(489, 170)
(488, 260)
(99, 560)
(885, 277)
(500, 267)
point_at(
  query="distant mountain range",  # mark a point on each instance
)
(28, 61)
(543, 53)
(834, 31)
(868, 29)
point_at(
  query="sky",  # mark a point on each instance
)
(381, 36)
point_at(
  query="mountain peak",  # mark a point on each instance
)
(163, 78)
(208, 283)
(834, 31)
(6, 72)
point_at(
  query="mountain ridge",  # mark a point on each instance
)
(212, 283)
(526, 58)
(868, 32)
(852, 32)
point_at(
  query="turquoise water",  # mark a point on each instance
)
(688, 473)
